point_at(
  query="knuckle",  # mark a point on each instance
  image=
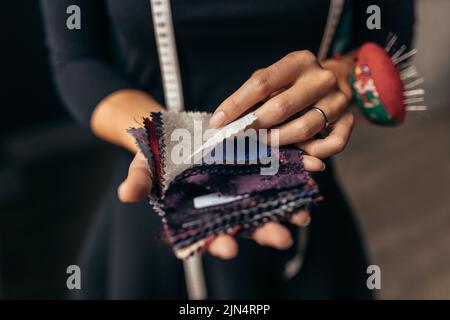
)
(137, 170)
(339, 144)
(307, 55)
(294, 56)
(282, 107)
(233, 105)
(293, 59)
(312, 151)
(342, 100)
(304, 131)
(329, 78)
(257, 71)
(260, 82)
(303, 56)
(132, 167)
(351, 119)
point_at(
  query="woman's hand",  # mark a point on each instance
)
(291, 86)
(118, 112)
(138, 184)
(288, 87)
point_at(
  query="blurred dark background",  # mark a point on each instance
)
(52, 172)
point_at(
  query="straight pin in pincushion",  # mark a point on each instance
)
(382, 84)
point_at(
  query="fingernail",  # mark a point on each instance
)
(217, 119)
(308, 221)
(323, 166)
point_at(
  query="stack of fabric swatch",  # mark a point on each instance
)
(203, 189)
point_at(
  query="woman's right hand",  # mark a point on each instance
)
(138, 184)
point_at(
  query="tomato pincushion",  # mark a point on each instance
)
(378, 84)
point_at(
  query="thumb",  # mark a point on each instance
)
(138, 183)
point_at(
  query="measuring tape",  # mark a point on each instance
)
(167, 53)
(334, 16)
(173, 96)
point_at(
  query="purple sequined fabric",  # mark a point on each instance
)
(254, 198)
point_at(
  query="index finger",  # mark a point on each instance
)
(260, 85)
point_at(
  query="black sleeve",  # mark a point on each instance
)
(397, 17)
(83, 70)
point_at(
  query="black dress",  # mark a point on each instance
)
(220, 44)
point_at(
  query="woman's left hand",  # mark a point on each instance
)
(291, 86)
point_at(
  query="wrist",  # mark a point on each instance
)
(119, 111)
